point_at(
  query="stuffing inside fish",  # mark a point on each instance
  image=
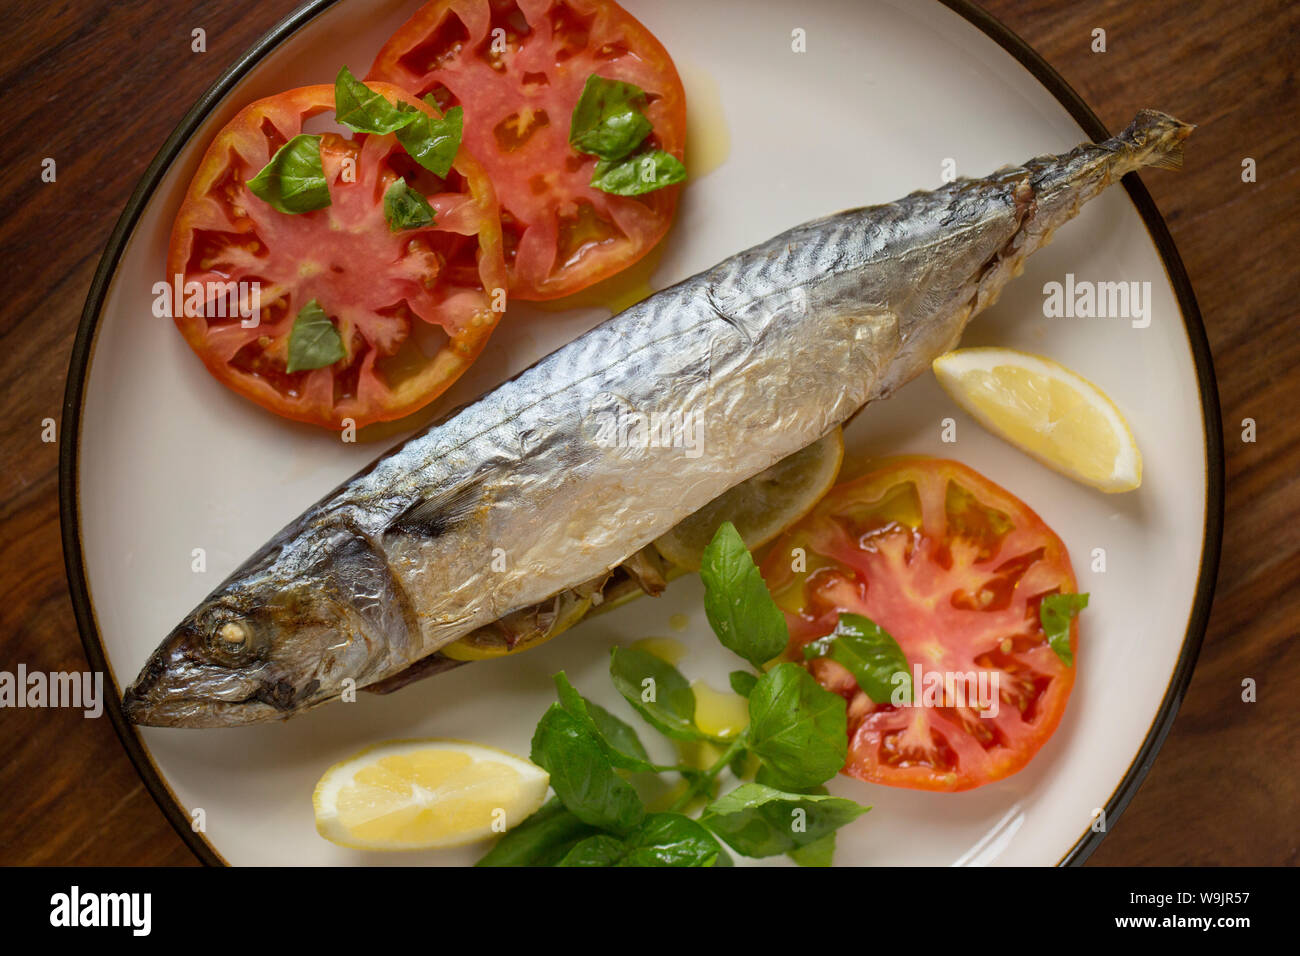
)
(518, 508)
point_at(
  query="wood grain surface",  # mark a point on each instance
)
(99, 84)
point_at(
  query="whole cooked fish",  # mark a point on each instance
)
(520, 505)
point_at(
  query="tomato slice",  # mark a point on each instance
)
(517, 67)
(954, 567)
(413, 308)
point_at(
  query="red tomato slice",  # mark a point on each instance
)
(561, 235)
(954, 567)
(413, 308)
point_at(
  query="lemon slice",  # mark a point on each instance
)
(762, 507)
(418, 794)
(1047, 411)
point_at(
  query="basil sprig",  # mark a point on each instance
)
(796, 736)
(406, 208)
(869, 653)
(609, 123)
(293, 181)
(314, 342)
(1055, 613)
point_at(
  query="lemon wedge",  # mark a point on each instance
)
(762, 507)
(418, 794)
(1047, 411)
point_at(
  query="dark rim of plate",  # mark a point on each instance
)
(995, 30)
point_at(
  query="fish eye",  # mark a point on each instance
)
(234, 635)
(231, 639)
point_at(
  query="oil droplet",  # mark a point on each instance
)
(719, 713)
(664, 648)
(678, 622)
(708, 141)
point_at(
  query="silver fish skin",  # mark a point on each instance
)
(547, 481)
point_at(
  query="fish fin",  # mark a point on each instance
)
(431, 517)
(1171, 157)
(435, 663)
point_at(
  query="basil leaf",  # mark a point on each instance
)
(432, 142)
(869, 653)
(817, 853)
(405, 208)
(541, 840)
(314, 342)
(737, 603)
(608, 120)
(1055, 613)
(759, 821)
(599, 850)
(637, 175)
(617, 739)
(770, 778)
(664, 839)
(671, 839)
(742, 682)
(294, 180)
(582, 775)
(361, 109)
(670, 707)
(797, 729)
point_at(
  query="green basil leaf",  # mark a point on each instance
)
(817, 853)
(657, 690)
(869, 653)
(770, 778)
(670, 839)
(599, 850)
(405, 208)
(582, 775)
(619, 741)
(314, 342)
(294, 180)
(664, 839)
(759, 821)
(1055, 613)
(638, 174)
(796, 728)
(541, 840)
(742, 682)
(432, 142)
(608, 120)
(737, 602)
(360, 108)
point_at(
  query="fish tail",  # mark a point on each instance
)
(1153, 139)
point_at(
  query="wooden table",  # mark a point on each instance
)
(98, 85)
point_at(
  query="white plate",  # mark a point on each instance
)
(168, 460)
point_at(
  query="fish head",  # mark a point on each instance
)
(290, 630)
